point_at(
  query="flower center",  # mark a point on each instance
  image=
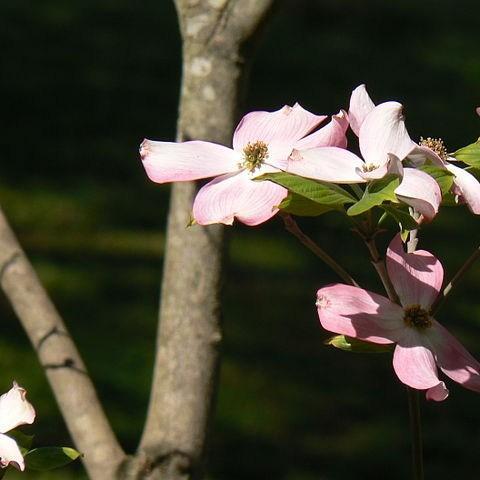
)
(369, 167)
(254, 154)
(437, 145)
(417, 317)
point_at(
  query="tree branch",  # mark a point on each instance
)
(186, 366)
(65, 370)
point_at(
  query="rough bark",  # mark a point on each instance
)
(214, 35)
(65, 370)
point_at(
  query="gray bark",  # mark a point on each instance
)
(214, 34)
(172, 447)
(65, 370)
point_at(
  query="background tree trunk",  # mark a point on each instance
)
(214, 34)
(58, 355)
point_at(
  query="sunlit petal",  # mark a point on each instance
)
(175, 162)
(359, 313)
(382, 132)
(237, 196)
(331, 135)
(15, 410)
(360, 106)
(330, 164)
(420, 191)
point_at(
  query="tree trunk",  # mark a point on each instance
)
(65, 370)
(189, 335)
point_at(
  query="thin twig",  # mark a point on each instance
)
(379, 264)
(455, 280)
(413, 395)
(294, 229)
(416, 432)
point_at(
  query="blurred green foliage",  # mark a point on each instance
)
(83, 82)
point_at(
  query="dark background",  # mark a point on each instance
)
(83, 81)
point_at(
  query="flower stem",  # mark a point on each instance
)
(413, 395)
(416, 431)
(357, 190)
(379, 265)
(294, 229)
(455, 280)
(414, 399)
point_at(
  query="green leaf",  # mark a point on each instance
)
(449, 200)
(401, 217)
(319, 192)
(48, 458)
(474, 171)
(297, 205)
(443, 177)
(375, 194)
(469, 154)
(356, 346)
(24, 441)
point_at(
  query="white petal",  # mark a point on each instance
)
(236, 195)
(15, 410)
(178, 162)
(360, 106)
(329, 164)
(467, 186)
(10, 453)
(382, 132)
(420, 191)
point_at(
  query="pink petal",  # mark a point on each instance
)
(478, 110)
(177, 162)
(417, 277)
(414, 363)
(467, 186)
(453, 358)
(10, 453)
(330, 164)
(279, 130)
(360, 106)
(382, 132)
(438, 393)
(15, 410)
(420, 191)
(236, 195)
(331, 135)
(359, 313)
(420, 154)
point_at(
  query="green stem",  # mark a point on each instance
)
(416, 432)
(455, 280)
(357, 190)
(294, 229)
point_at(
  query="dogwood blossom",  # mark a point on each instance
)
(465, 185)
(421, 342)
(262, 143)
(384, 143)
(15, 410)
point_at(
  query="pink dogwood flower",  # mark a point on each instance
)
(384, 143)
(421, 342)
(15, 410)
(262, 143)
(465, 186)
